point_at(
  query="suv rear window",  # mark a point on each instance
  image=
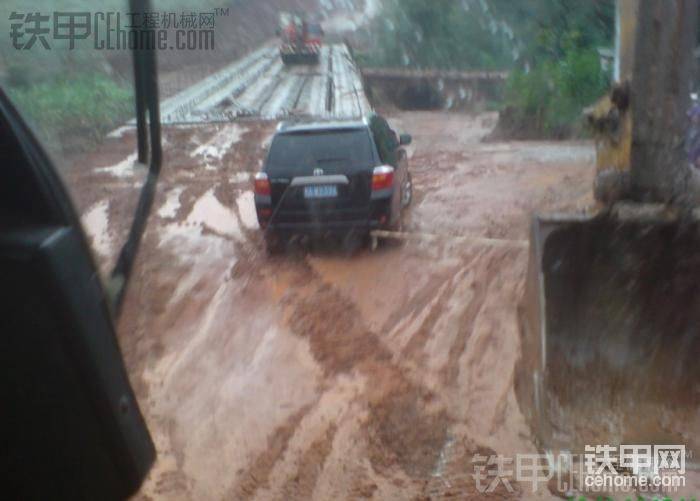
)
(292, 153)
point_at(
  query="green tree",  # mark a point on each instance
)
(455, 34)
(545, 29)
(559, 71)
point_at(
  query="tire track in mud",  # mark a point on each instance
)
(416, 344)
(258, 474)
(419, 301)
(405, 423)
(467, 320)
(403, 398)
(347, 343)
(301, 485)
(455, 479)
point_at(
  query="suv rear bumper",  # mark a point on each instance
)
(377, 216)
(320, 229)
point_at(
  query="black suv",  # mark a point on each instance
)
(332, 177)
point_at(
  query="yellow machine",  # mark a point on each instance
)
(610, 321)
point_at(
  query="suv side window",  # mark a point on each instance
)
(385, 138)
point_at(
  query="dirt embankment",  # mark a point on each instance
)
(515, 125)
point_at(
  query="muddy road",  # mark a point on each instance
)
(320, 374)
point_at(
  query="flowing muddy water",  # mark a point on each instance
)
(320, 375)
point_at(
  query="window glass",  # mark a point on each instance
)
(291, 152)
(67, 69)
(544, 295)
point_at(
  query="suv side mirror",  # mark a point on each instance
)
(405, 139)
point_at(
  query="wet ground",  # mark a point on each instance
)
(323, 374)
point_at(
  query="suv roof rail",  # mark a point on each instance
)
(319, 123)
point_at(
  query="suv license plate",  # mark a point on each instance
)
(324, 191)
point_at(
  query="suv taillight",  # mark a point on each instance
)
(262, 185)
(382, 178)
